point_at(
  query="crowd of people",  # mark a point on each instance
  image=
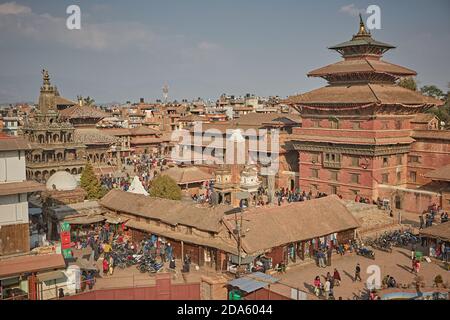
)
(145, 166)
(325, 289)
(428, 217)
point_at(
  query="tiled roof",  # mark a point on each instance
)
(82, 112)
(93, 136)
(184, 175)
(10, 143)
(117, 131)
(169, 211)
(362, 94)
(298, 221)
(143, 131)
(362, 65)
(440, 174)
(440, 231)
(25, 264)
(423, 118)
(145, 140)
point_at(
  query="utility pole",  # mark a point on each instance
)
(238, 231)
(239, 234)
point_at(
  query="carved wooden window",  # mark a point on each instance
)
(355, 162)
(314, 173)
(356, 125)
(399, 159)
(314, 158)
(413, 176)
(385, 178)
(385, 161)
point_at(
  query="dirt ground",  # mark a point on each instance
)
(396, 264)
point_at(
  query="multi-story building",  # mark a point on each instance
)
(14, 188)
(358, 135)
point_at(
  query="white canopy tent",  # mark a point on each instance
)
(137, 187)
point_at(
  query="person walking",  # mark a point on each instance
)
(162, 252)
(111, 265)
(329, 253)
(327, 288)
(105, 266)
(321, 259)
(417, 266)
(357, 273)
(317, 286)
(336, 278)
(169, 252)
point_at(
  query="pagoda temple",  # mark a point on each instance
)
(357, 130)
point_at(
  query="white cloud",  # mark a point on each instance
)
(12, 8)
(112, 36)
(352, 10)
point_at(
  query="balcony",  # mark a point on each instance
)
(332, 165)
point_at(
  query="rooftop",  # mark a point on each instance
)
(275, 226)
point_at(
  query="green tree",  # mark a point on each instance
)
(408, 83)
(432, 91)
(90, 183)
(88, 101)
(165, 187)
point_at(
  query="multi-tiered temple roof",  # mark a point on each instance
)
(362, 79)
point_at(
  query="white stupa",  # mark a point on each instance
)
(137, 187)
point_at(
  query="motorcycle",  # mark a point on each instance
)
(382, 245)
(365, 252)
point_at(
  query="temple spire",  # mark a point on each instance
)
(362, 27)
(45, 77)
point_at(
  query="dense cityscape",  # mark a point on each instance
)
(337, 193)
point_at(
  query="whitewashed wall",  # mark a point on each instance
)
(12, 166)
(13, 209)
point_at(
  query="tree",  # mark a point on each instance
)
(165, 187)
(408, 83)
(90, 183)
(88, 101)
(442, 112)
(432, 91)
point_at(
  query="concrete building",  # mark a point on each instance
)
(14, 222)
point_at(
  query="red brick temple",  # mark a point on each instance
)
(362, 134)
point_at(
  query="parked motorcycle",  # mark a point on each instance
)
(365, 252)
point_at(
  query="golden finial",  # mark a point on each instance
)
(362, 26)
(45, 77)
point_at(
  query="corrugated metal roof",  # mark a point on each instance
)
(253, 282)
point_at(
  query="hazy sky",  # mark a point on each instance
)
(203, 48)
